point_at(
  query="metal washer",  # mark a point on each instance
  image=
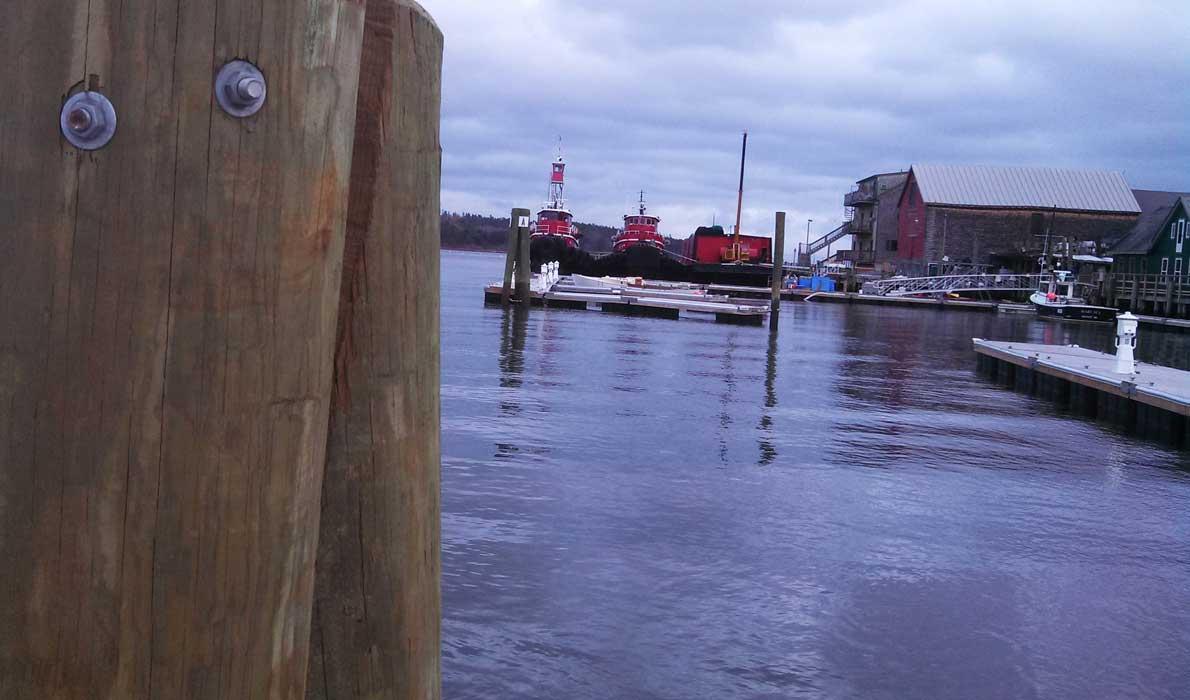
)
(227, 92)
(100, 113)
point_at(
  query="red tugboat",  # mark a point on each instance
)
(640, 229)
(554, 220)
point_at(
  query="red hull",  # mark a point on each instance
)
(625, 242)
(571, 241)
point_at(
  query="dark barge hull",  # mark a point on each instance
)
(571, 261)
(644, 261)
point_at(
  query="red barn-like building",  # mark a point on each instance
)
(998, 215)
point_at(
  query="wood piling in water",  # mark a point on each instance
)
(778, 265)
(168, 308)
(524, 271)
(377, 603)
(515, 231)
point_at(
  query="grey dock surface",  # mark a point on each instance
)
(1155, 401)
(644, 302)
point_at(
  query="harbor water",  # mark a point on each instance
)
(642, 508)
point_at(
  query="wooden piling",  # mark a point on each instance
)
(778, 264)
(524, 271)
(514, 249)
(377, 604)
(167, 321)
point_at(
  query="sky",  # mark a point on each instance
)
(655, 95)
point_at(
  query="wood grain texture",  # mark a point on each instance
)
(167, 318)
(377, 602)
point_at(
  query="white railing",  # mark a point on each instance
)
(909, 286)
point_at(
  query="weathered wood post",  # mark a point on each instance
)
(524, 270)
(167, 321)
(377, 601)
(778, 265)
(514, 250)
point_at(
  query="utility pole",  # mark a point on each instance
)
(808, 222)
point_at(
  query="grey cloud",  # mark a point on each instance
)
(654, 95)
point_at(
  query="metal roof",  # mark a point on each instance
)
(1025, 188)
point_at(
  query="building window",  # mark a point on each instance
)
(1165, 266)
(1177, 266)
(1181, 231)
(890, 246)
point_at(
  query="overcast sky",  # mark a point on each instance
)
(654, 95)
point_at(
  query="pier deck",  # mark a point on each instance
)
(1158, 386)
(664, 303)
(1155, 401)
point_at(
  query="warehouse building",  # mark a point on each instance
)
(873, 224)
(1000, 216)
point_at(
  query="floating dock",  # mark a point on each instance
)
(649, 298)
(1153, 402)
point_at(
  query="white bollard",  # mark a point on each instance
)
(1126, 325)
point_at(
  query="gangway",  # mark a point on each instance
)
(947, 284)
(830, 238)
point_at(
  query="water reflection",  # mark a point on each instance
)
(768, 451)
(1000, 550)
(632, 352)
(727, 397)
(514, 323)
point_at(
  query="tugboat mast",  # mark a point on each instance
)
(554, 198)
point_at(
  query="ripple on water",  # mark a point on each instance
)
(638, 508)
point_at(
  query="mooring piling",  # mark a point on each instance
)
(778, 265)
(517, 220)
(170, 297)
(377, 605)
(524, 271)
(173, 336)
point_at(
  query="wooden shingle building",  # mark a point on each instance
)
(1156, 245)
(1151, 272)
(999, 216)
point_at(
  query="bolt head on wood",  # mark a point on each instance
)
(240, 88)
(88, 120)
